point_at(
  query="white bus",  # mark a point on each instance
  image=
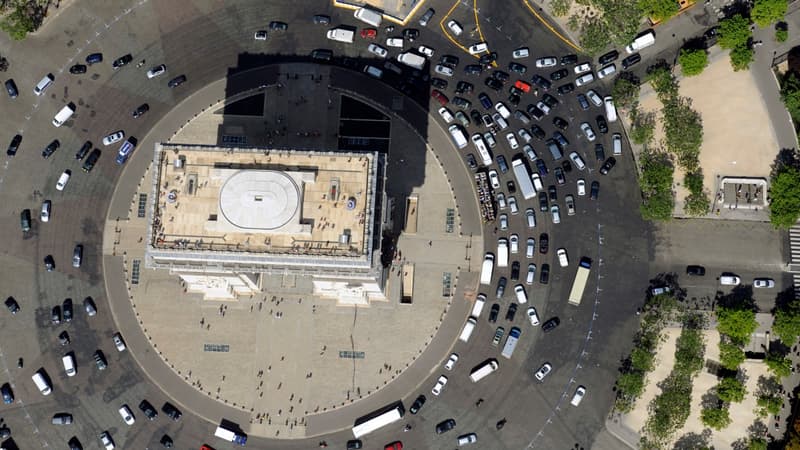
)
(483, 370)
(380, 421)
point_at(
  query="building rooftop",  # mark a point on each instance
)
(257, 201)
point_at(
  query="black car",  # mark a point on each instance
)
(11, 88)
(50, 149)
(63, 338)
(62, 419)
(552, 193)
(535, 112)
(55, 315)
(83, 151)
(595, 190)
(569, 59)
(171, 411)
(321, 19)
(551, 324)
(138, 112)
(501, 287)
(517, 67)
(502, 164)
(121, 61)
(512, 187)
(537, 131)
(449, 61)
(322, 54)
(582, 101)
(354, 444)
(278, 26)
(417, 404)
(559, 74)
(543, 206)
(464, 87)
(631, 60)
(697, 271)
(608, 57)
(100, 360)
(602, 125)
(177, 81)
(522, 117)
(94, 58)
(8, 394)
(515, 271)
(472, 163)
(560, 123)
(544, 243)
(66, 306)
(514, 99)
(608, 165)
(12, 305)
(566, 88)
(148, 410)
(559, 172)
(541, 81)
(439, 83)
(475, 116)
(544, 274)
(501, 76)
(549, 100)
(410, 34)
(566, 166)
(25, 220)
(541, 167)
(486, 102)
(599, 152)
(445, 426)
(49, 263)
(473, 69)
(13, 147)
(88, 165)
(493, 313)
(488, 58)
(512, 311)
(75, 444)
(494, 84)
(461, 102)
(166, 441)
(78, 69)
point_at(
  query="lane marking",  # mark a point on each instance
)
(550, 27)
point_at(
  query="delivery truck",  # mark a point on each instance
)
(230, 436)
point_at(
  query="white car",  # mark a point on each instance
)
(501, 201)
(376, 49)
(502, 109)
(563, 261)
(443, 70)
(440, 383)
(530, 217)
(523, 133)
(394, 42)
(113, 137)
(537, 182)
(512, 140)
(425, 50)
(480, 47)
(261, 35)
(543, 371)
(522, 52)
(606, 71)
(582, 68)
(118, 342)
(498, 119)
(556, 215)
(549, 61)
(577, 160)
(533, 317)
(584, 79)
(530, 248)
(126, 415)
(455, 27)
(489, 138)
(514, 241)
(161, 68)
(446, 114)
(466, 439)
(503, 222)
(105, 438)
(63, 180)
(494, 179)
(570, 201)
(764, 283)
(594, 97)
(587, 131)
(451, 362)
(578, 397)
(513, 206)
(543, 106)
(581, 187)
(46, 210)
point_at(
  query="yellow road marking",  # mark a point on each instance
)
(450, 38)
(550, 27)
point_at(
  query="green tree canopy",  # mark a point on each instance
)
(765, 12)
(683, 131)
(716, 418)
(730, 355)
(784, 192)
(769, 404)
(655, 183)
(737, 324)
(659, 10)
(779, 365)
(734, 32)
(663, 82)
(625, 91)
(787, 322)
(790, 95)
(693, 61)
(643, 126)
(741, 57)
(594, 36)
(731, 390)
(21, 21)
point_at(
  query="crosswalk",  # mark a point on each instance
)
(794, 245)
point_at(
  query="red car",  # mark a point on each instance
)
(394, 446)
(441, 98)
(206, 447)
(522, 86)
(369, 33)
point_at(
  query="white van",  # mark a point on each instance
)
(369, 16)
(483, 150)
(480, 47)
(467, 331)
(373, 71)
(729, 280)
(487, 269)
(44, 84)
(611, 110)
(69, 365)
(502, 252)
(411, 60)
(63, 115)
(41, 382)
(645, 39)
(478, 306)
(341, 35)
(522, 297)
(458, 136)
(537, 182)
(484, 370)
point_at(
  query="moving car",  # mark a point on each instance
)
(118, 342)
(695, 270)
(418, 403)
(445, 426)
(764, 283)
(440, 384)
(140, 110)
(113, 137)
(580, 392)
(543, 371)
(122, 61)
(177, 81)
(451, 361)
(260, 35)
(551, 324)
(63, 180)
(608, 165)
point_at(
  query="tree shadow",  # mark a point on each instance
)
(784, 299)
(786, 157)
(740, 297)
(692, 441)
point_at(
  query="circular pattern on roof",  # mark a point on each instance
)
(259, 199)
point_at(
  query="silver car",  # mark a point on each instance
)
(555, 213)
(543, 371)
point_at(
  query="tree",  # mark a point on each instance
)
(784, 192)
(779, 365)
(731, 390)
(683, 131)
(765, 12)
(642, 359)
(625, 91)
(730, 355)
(660, 77)
(741, 57)
(757, 443)
(697, 202)
(769, 404)
(790, 95)
(643, 126)
(693, 61)
(659, 10)
(560, 7)
(781, 35)
(716, 418)
(737, 324)
(594, 35)
(734, 32)
(25, 18)
(787, 322)
(655, 183)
